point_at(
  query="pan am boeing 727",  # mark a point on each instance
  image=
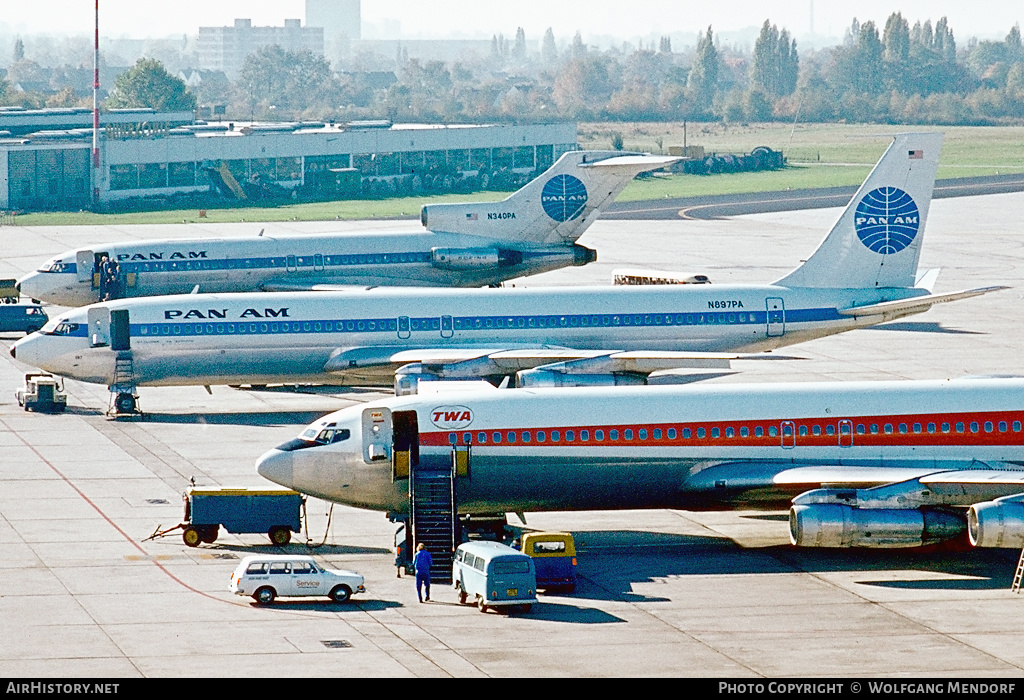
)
(461, 245)
(863, 273)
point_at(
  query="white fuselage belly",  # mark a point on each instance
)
(719, 459)
(232, 339)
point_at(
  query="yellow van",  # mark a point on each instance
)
(554, 558)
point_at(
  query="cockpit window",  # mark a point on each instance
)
(59, 266)
(316, 435)
(64, 328)
(330, 435)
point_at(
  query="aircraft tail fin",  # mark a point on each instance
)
(877, 240)
(554, 208)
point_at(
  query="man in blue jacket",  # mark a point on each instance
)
(422, 563)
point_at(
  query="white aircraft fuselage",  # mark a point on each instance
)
(412, 258)
(694, 446)
(207, 339)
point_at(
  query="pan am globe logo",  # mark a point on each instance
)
(887, 220)
(563, 197)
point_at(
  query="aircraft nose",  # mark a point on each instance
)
(276, 466)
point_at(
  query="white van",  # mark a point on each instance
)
(494, 576)
(265, 577)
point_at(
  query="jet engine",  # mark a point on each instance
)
(829, 525)
(545, 379)
(998, 523)
(466, 258)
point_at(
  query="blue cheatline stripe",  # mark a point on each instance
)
(302, 262)
(469, 324)
(277, 262)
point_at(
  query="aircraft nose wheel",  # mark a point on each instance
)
(125, 403)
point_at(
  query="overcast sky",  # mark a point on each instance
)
(469, 18)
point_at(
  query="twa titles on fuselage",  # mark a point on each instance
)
(460, 245)
(863, 273)
(869, 464)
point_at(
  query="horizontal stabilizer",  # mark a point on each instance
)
(902, 307)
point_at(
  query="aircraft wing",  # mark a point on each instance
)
(311, 286)
(903, 307)
(474, 362)
(868, 487)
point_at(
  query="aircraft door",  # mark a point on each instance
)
(788, 434)
(85, 264)
(403, 327)
(318, 263)
(120, 330)
(376, 434)
(99, 327)
(291, 264)
(845, 433)
(405, 454)
(447, 327)
(776, 316)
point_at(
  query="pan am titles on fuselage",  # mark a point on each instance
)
(460, 245)
(534, 336)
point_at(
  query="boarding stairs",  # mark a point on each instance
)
(1019, 575)
(433, 516)
(123, 398)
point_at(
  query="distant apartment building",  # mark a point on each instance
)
(226, 48)
(337, 18)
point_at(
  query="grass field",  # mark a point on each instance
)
(819, 155)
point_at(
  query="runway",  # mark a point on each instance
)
(662, 593)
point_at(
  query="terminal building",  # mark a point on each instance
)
(45, 157)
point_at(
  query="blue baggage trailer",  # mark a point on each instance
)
(275, 512)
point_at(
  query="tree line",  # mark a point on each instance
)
(898, 73)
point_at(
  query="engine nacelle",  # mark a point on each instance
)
(408, 382)
(465, 258)
(832, 525)
(996, 524)
(546, 379)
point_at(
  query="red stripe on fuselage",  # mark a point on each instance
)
(867, 438)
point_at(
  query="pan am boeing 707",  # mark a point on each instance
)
(863, 273)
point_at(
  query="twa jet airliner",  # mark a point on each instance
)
(868, 464)
(461, 245)
(863, 273)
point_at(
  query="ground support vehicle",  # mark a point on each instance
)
(554, 559)
(276, 512)
(24, 318)
(42, 393)
(494, 575)
(267, 576)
